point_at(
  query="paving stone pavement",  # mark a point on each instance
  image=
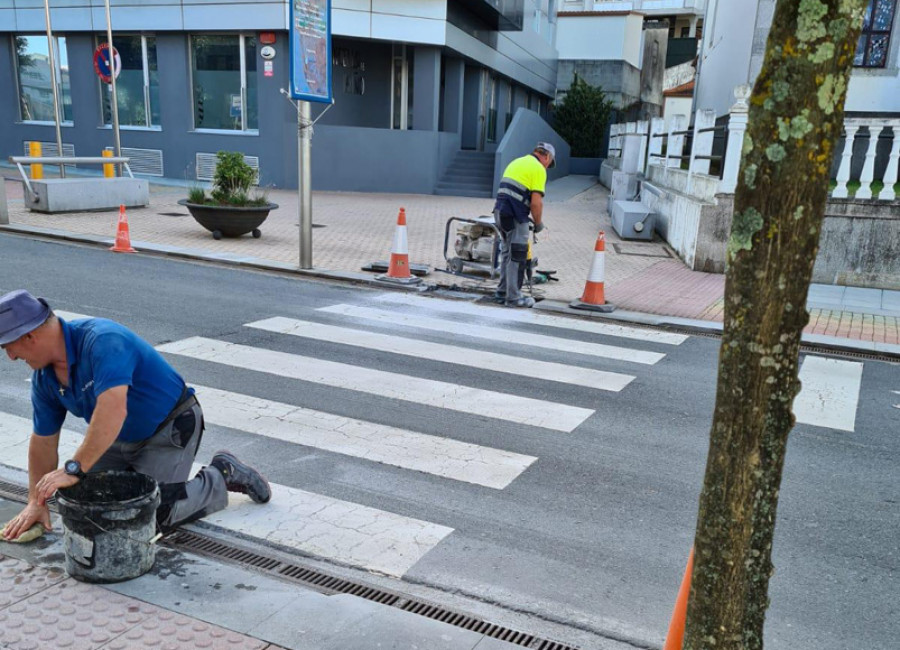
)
(354, 229)
(42, 608)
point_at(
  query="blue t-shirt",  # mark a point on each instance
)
(103, 354)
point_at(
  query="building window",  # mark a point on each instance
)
(872, 49)
(494, 94)
(223, 76)
(137, 86)
(402, 87)
(35, 78)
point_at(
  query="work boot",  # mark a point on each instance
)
(240, 477)
(499, 298)
(524, 301)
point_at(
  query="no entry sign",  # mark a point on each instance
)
(101, 62)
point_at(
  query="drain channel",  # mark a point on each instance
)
(193, 542)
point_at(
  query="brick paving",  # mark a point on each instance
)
(354, 229)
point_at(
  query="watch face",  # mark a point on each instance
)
(73, 467)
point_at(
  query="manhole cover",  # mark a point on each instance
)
(174, 214)
(642, 250)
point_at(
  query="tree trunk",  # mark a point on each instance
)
(796, 116)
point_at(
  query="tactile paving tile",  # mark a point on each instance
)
(70, 615)
(170, 631)
(19, 580)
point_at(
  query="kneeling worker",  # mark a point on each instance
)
(141, 415)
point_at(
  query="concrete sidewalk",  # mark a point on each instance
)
(645, 280)
(187, 601)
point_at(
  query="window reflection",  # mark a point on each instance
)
(35, 78)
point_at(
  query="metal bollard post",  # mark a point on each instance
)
(109, 170)
(4, 208)
(37, 170)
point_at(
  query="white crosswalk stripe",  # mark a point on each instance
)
(491, 404)
(468, 308)
(547, 371)
(830, 393)
(341, 531)
(69, 315)
(376, 442)
(496, 334)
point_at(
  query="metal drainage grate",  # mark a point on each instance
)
(329, 584)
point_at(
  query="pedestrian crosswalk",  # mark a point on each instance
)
(462, 340)
(444, 457)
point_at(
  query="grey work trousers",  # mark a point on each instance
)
(513, 257)
(167, 456)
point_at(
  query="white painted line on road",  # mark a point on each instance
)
(830, 393)
(475, 401)
(547, 371)
(380, 443)
(70, 315)
(533, 318)
(15, 435)
(345, 532)
(495, 334)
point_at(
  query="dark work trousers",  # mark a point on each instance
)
(513, 255)
(167, 456)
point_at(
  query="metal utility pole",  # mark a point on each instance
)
(112, 83)
(51, 54)
(304, 182)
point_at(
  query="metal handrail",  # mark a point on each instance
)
(66, 160)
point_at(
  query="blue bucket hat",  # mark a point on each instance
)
(20, 313)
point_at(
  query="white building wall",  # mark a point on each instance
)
(676, 106)
(732, 54)
(600, 38)
(725, 53)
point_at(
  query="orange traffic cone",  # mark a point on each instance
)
(593, 298)
(123, 239)
(398, 267)
(675, 636)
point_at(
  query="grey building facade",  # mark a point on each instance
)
(414, 82)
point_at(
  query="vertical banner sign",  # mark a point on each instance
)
(311, 50)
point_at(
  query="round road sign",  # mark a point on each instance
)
(101, 62)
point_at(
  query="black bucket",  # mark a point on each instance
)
(109, 520)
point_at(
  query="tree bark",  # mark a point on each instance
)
(796, 117)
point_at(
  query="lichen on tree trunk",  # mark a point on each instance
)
(796, 117)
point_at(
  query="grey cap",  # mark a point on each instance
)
(549, 148)
(20, 313)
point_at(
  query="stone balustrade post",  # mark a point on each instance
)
(851, 126)
(643, 126)
(654, 148)
(890, 174)
(675, 141)
(868, 170)
(738, 117)
(703, 141)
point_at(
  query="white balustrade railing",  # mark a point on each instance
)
(654, 152)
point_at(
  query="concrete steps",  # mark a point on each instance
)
(470, 174)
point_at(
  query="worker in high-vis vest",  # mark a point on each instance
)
(520, 202)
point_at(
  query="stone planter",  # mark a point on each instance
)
(229, 220)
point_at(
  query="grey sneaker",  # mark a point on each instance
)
(524, 301)
(240, 477)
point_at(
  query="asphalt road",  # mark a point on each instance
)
(596, 531)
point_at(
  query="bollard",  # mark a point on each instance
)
(109, 170)
(37, 170)
(4, 208)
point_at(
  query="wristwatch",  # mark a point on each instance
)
(73, 468)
